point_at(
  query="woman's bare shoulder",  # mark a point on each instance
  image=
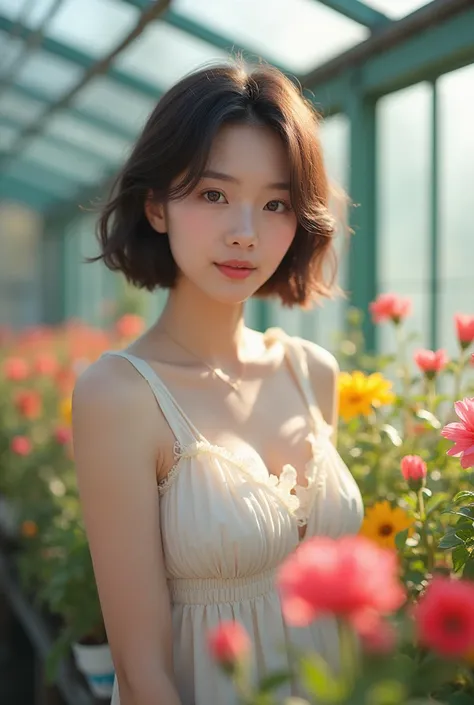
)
(323, 370)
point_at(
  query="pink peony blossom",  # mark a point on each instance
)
(229, 643)
(430, 362)
(413, 468)
(63, 435)
(390, 307)
(444, 617)
(464, 329)
(462, 433)
(351, 578)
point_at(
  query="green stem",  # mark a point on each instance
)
(404, 375)
(425, 534)
(431, 395)
(458, 375)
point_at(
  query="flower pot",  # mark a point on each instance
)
(95, 663)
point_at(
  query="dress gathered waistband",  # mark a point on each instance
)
(206, 591)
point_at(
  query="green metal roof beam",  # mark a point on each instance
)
(44, 178)
(358, 12)
(206, 34)
(62, 143)
(439, 49)
(80, 114)
(64, 51)
(13, 189)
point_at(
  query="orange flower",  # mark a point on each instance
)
(15, 369)
(46, 365)
(29, 529)
(130, 326)
(29, 404)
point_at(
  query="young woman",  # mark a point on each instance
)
(204, 450)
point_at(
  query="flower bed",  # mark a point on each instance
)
(416, 549)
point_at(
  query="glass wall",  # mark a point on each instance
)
(403, 230)
(456, 190)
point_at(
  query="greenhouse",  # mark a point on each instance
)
(393, 81)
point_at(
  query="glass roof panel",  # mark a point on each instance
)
(10, 49)
(37, 11)
(112, 148)
(49, 74)
(397, 8)
(94, 26)
(299, 34)
(70, 163)
(20, 108)
(107, 99)
(163, 54)
(7, 137)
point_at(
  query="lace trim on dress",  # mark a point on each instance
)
(297, 498)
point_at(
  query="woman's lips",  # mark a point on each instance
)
(235, 271)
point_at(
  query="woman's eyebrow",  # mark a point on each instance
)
(212, 174)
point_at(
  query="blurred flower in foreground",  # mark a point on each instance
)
(15, 369)
(414, 471)
(229, 643)
(462, 433)
(464, 329)
(431, 362)
(46, 365)
(29, 404)
(349, 578)
(21, 445)
(390, 307)
(130, 326)
(444, 617)
(359, 394)
(29, 529)
(65, 410)
(382, 523)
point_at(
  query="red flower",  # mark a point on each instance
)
(462, 433)
(229, 643)
(15, 369)
(21, 445)
(63, 435)
(431, 362)
(414, 470)
(28, 404)
(464, 329)
(350, 577)
(382, 639)
(130, 326)
(390, 307)
(46, 365)
(444, 616)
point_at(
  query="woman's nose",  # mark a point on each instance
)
(243, 231)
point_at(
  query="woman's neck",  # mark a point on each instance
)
(211, 330)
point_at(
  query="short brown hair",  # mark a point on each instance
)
(176, 141)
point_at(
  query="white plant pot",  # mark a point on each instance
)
(95, 663)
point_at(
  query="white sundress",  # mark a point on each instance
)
(227, 524)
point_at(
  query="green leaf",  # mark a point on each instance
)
(435, 501)
(401, 539)
(450, 540)
(468, 572)
(464, 494)
(319, 681)
(460, 556)
(274, 681)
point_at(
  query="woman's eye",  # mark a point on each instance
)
(213, 196)
(276, 206)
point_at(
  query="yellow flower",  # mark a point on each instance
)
(382, 523)
(359, 393)
(65, 410)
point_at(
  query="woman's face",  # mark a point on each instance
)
(231, 233)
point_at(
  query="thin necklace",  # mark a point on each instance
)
(216, 371)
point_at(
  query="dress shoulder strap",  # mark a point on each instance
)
(296, 356)
(182, 427)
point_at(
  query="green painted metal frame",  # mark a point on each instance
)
(35, 197)
(358, 12)
(81, 114)
(86, 61)
(434, 221)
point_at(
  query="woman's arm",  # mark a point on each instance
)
(116, 424)
(324, 372)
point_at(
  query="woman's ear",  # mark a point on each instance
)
(156, 215)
